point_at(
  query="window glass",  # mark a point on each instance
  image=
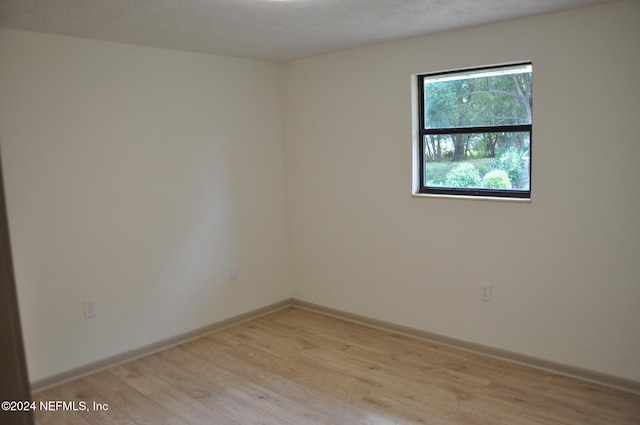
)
(475, 128)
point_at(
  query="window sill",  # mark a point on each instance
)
(474, 198)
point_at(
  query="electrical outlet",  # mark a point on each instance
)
(233, 272)
(485, 292)
(89, 308)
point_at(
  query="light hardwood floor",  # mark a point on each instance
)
(302, 368)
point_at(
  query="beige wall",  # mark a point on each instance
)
(565, 268)
(137, 176)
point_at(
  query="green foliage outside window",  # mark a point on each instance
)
(463, 175)
(496, 179)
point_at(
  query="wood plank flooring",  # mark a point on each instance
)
(302, 368)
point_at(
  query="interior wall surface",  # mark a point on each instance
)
(143, 179)
(564, 268)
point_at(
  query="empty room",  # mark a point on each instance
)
(320, 212)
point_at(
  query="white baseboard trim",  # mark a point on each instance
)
(155, 347)
(505, 355)
(496, 353)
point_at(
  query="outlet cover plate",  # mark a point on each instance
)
(89, 308)
(485, 292)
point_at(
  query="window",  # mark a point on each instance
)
(475, 132)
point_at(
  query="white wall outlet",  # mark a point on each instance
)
(89, 308)
(485, 292)
(233, 272)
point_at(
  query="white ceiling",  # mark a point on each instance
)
(276, 30)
